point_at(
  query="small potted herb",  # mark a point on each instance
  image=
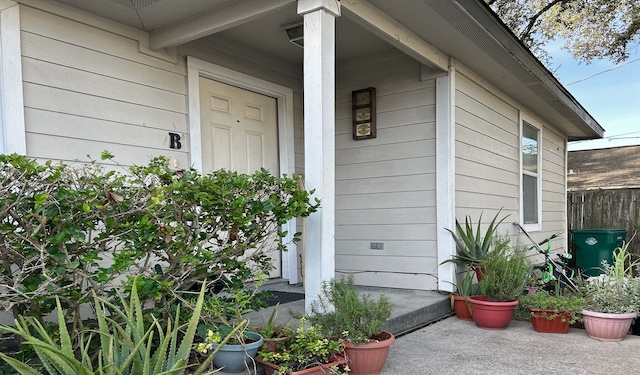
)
(224, 318)
(306, 351)
(273, 333)
(506, 271)
(553, 313)
(343, 312)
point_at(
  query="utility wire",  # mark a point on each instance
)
(611, 138)
(604, 71)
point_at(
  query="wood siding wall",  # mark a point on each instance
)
(611, 208)
(87, 89)
(385, 187)
(488, 160)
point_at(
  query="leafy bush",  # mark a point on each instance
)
(71, 231)
(53, 233)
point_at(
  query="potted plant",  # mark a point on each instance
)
(307, 351)
(506, 271)
(224, 317)
(460, 298)
(473, 245)
(552, 313)
(273, 334)
(612, 299)
(358, 319)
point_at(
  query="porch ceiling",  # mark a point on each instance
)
(466, 30)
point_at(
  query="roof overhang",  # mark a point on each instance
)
(470, 32)
(430, 31)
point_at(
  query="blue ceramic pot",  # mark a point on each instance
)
(235, 358)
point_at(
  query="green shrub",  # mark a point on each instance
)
(71, 231)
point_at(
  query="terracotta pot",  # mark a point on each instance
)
(269, 367)
(491, 315)
(461, 307)
(607, 327)
(479, 272)
(369, 358)
(543, 325)
(270, 344)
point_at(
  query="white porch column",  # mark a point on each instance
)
(319, 139)
(12, 128)
(445, 177)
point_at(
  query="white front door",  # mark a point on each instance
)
(239, 131)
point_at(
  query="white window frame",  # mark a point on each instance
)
(531, 226)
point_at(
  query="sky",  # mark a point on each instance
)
(609, 92)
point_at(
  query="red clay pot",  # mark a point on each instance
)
(461, 307)
(491, 315)
(479, 272)
(269, 367)
(369, 358)
(543, 325)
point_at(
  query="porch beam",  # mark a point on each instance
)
(392, 31)
(319, 140)
(213, 21)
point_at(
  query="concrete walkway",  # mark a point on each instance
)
(453, 346)
(431, 341)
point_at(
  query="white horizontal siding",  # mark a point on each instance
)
(385, 187)
(391, 272)
(488, 160)
(87, 89)
(554, 195)
(487, 154)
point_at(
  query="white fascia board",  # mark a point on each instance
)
(213, 21)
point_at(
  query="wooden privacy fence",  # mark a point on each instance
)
(606, 208)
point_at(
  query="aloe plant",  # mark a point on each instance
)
(465, 286)
(126, 347)
(472, 243)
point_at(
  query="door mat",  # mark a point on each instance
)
(282, 297)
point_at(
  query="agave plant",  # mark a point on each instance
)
(126, 347)
(472, 244)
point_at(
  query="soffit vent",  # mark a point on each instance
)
(135, 4)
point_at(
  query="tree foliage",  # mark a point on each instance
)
(591, 29)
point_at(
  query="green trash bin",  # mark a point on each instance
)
(592, 246)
